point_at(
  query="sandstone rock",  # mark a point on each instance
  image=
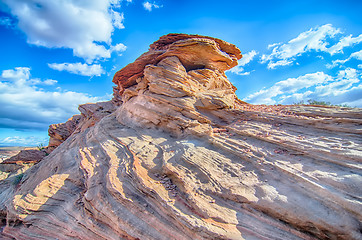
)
(26, 156)
(193, 51)
(90, 114)
(183, 158)
(58, 133)
(93, 113)
(170, 98)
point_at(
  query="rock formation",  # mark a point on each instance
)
(176, 155)
(26, 156)
(91, 113)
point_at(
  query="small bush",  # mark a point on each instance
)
(320, 103)
(41, 147)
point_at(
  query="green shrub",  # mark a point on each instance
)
(320, 103)
(40, 147)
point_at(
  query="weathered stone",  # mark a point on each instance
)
(194, 51)
(58, 133)
(91, 114)
(170, 98)
(233, 171)
(26, 156)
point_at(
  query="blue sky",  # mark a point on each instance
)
(58, 54)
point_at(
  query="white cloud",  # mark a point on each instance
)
(120, 47)
(356, 55)
(344, 81)
(244, 73)
(273, 45)
(25, 106)
(289, 86)
(316, 39)
(50, 82)
(18, 73)
(148, 6)
(344, 42)
(247, 57)
(23, 141)
(313, 39)
(344, 88)
(78, 68)
(239, 70)
(284, 62)
(118, 19)
(86, 27)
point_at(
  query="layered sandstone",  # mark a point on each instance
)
(91, 113)
(26, 156)
(180, 157)
(193, 51)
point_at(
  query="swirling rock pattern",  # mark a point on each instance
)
(182, 158)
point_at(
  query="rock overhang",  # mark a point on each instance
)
(193, 51)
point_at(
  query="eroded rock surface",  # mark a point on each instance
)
(26, 156)
(91, 113)
(173, 99)
(182, 158)
(193, 51)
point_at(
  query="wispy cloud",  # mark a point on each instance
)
(86, 27)
(344, 88)
(149, 6)
(117, 19)
(23, 141)
(246, 59)
(273, 45)
(26, 106)
(356, 55)
(344, 42)
(78, 68)
(289, 86)
(314, 39)
(50, 82)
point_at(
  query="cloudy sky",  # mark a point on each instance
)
(58, 54)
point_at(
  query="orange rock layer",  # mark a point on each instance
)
(193, 51)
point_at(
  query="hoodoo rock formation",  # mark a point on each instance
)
(176, 155)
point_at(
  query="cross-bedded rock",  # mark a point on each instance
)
(176, 155)
(193, 51)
